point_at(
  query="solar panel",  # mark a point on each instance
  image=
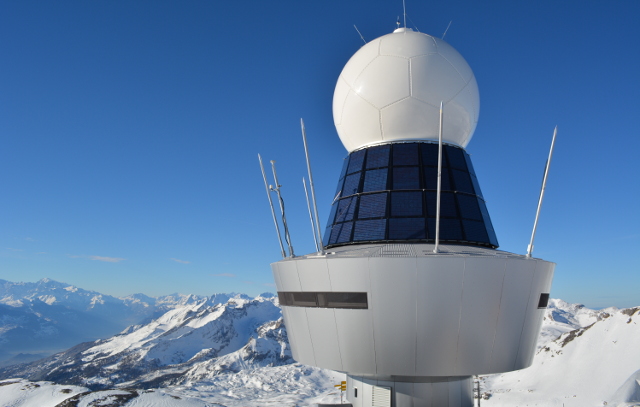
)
(392, 203)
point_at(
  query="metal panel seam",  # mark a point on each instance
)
(313, 349)
(335, 322)
(415, 357)
(464, 271)
(373, 324)
(526, 311)
(495, 330)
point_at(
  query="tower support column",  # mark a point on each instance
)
(441, 391)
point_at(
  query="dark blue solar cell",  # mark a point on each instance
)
(332, 214)
(449, 229)
(345, 164)
(487, 222)
(469, 208)
(375, 180)
(405, 154)
(370, 230)
(326, 237)
(339, 189)
(343, 232)
(351, 183)
(467, 158)
(456, 158)
(476, 186)
(430, 155)
(475, 231)
(474, 179)
(346, 209)
(406, 228)
(365, 212)
(462, 181)
(406, 204)
(406, 178)
(335, 232)
(355, 161)
(447, 204)
(378, 156)
(372, 206)
(431, 178)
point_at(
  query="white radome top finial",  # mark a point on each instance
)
(390, 90)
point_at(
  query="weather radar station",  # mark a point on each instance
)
(407, 292)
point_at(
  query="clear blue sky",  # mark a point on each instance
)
(130, 132)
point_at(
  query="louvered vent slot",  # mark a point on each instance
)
(381, 397)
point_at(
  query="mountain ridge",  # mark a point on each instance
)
(66, 315)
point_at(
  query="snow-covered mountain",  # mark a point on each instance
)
(191, 342)
(585, 358)
(38, 319)
(231, 354)
(237, 354)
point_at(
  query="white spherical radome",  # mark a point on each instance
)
(391, 89)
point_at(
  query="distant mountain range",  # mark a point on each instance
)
(204, 351)
(39, 319)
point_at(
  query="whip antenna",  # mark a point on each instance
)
(313, 193)
(435, 249)
(273, 212)
(404, 13)
(276, 189)
(445, 31)
(544, 185)
(360, 34)
(313, 226)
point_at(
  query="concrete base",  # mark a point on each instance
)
(423, 392)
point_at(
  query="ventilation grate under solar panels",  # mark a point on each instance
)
(396, 250)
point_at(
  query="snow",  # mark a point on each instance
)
(583, 367)
(236, 354)
(23, 393)
(289, 385)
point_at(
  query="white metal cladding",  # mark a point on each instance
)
(432, 392)
(450, 314)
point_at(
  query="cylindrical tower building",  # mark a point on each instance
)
(408, 325)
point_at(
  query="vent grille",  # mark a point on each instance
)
(381, 396)
(396, 250)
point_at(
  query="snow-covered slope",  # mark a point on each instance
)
(593, 362)
(237, 354)
(38, 319)
(22, 393)
(233, 354)
(194, 341)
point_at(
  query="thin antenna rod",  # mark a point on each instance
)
(273, 212)
(313, 226)
(544, 185)
(404, 12)
(360, 34)
(313, 192)
(435, 249)
(445, 31)
(287, 238)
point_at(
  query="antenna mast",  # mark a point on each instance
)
(273, 212)
(435, 249)
(544, 185)
(404, 12)
(360, 34)
(287, 238)
(445, 31)
(313, 193)
(313, 227)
